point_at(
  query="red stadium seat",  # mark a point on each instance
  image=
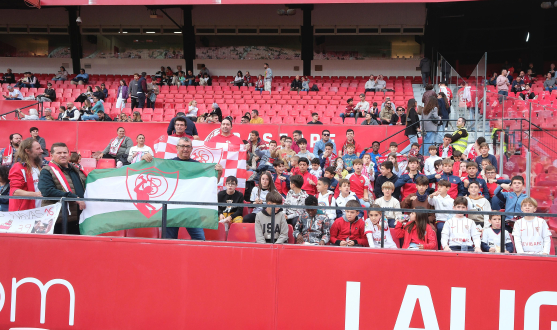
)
(241, 232)
(144, 232)
(106, 163)
(291, 239)
(85, 153)
(216, 235)
(397, 241)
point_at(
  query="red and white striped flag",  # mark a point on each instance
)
(231, 157)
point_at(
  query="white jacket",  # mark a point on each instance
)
(323, 200)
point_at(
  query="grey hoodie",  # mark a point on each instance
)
(263, 227)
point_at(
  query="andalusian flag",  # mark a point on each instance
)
(162, 180)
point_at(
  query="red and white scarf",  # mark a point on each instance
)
(60, 176)
(115, 145)
(138, 156)
(7, 157)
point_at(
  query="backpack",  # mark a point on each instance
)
(314, 88)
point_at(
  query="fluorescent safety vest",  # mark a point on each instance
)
(462, 143)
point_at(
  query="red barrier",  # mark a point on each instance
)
(9, 105)
(125, 283)
(96, 135)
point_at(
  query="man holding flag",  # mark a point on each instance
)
(184, 149)
(61, 179)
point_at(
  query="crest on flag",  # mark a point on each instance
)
(204, 154)
(150, 184)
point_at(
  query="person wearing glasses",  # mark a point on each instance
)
(184, 149)
(387, 113)
(320, 145)
(399, 117)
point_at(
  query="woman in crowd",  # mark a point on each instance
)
(84, 96)
(412, 125)
(138, 151)
(75, 160)
(205, 80)
(61, 75)
(136, 117)
(169, 72)
(122, 95)
(305, 84)
(192, 110)
(399, 117)
(4, 188)
(444, 113)
(104, 90)
(417, 232)
(398, 169)
(122, 118)
(238, 80)
(259, 193)
(259, 85)
(99, 93)
(430, 121)
(86, 107)
(218, 111)
(248, 79)
(248, 115)
(190, 78)
(153, 91)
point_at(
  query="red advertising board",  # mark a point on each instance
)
(126, 283)
(96, 135)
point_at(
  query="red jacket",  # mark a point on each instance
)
(429, 242)
(20, 178)
(354, 231)
(311, 189)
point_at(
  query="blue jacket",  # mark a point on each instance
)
(99, 106)
(483, 187)
(333, 185)
(456, 184)
(490, 157)
(320, 145)
(512, 202)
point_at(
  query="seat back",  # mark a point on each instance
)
(153, 232)
(241, 232)
(216, 235)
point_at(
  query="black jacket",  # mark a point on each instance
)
(237, 197)
(412, 119)
(395, 118)
(378, 192)
(296, 84)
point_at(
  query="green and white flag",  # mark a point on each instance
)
(162, 180)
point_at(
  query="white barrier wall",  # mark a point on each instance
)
(386, 67)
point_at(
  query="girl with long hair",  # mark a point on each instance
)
(412, 125)
(259, 193)
(430, 121)
(417, 232)
(122, 95)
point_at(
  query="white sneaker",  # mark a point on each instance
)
(119, 164)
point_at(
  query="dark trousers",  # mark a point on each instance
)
(425, 78)
(195, 233)
(458, 248)
(250, 218)
(139, 101)
(72, 229)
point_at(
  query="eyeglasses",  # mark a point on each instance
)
(183, 146)
(326, 134)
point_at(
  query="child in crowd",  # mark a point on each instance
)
(333, 186)
(312, 228)
(446, 150)
(367, 169)
(415, 152)
(459, 232)
(264, 154)
(326, 198)
(417, 232)
(373, 227)
(281, 178)
(282, 141)
(316, 168)
(230, 214)
(349, 157)
(345, 194)
(457, 187)
(340, 171)
(286, 152)
(348, 230)
(473, 150)
(429, 167)
(419, 198)
(485, 163)
(478, 202)
(458, 162)
(359, 184)
(328, 157)
(302, 144)
(513, 200)
(398, 168)
(492, 183)
(296, 196)
(407, 182)
(441, 200)
(263, 221)
(393, 148)
(259, 193)
(491, 237)
(531, 234)
(386, 175)
(472, 170)
(484, 150)
(294, 165)
(388, 201)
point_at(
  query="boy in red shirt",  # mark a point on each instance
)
(492, 183)
(349, 110)
(359, 183)
(349, 229)
(281, 178)
(310, 181)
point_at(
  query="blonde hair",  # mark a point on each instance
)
(388, 185)
(529, 200)
(191, 102)
(395, 163)
(447, 161)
